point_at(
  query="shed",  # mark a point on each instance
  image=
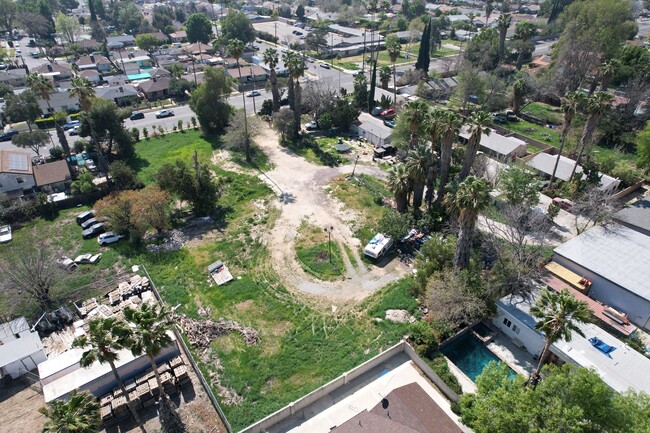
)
(497, 145)
(219, 273)
(544, 164)
(21, 349)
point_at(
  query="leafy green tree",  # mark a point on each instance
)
(123, 176)
(373, 83)
(435, 255)
(400, 183)
(126, 16)
(295, 65)
(643, 148)
(104, 123)
(422, 63)
(8, 12)
(344, 114)
(300, 12)
(524, 32)
(104, 338)
(470, 197)
(200, 188)
(163, 16)
(176, 69)
(519, 187)
(179, 87)
(570, 104)
(450, 124)
(83, 90)
(209, 101)
(78, 414)
(384, 76)
(83, 184)
(283, 123)
(33, 140)
(198, 28)
(148, 43)
(558, 314)
(22, 107)
(414, 115)
(360, 92)
(237, 26)
(597, 105)
(482, 50)
(478, 122)
(67, 27)
(6, 89)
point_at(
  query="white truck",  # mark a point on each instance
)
(377, 246)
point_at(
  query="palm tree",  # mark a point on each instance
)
(418, 164)
(400, 183)
(432, 126)
(149, 333)
(236, 50)
(296, 67)
(519, 88)
(558, 314)
(83, 90)
(525, 31)
(104, 338)
(270, 57)
(570, 105)
(607, 70)
(597, 106)
(384, 76)
(503, 23)
(479, 122)
(43, 87)
(78, 414)
(489, 8)
(449, 129)
(471, 196)
(415, 113)
(393, 48)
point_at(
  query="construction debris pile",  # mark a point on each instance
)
(202, 332)
(144, 391)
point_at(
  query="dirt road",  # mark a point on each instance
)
(303, 195)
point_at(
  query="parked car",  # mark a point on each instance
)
(75, 130)
(71, 125)
(164, 113)
(563, 203)
(89, 222)
(325, 65)
(7, 135)
(390, 112)
(376, 111)
(108, 238)
(137, 115)
(17, 50)
(499, 118)
(88, 259)
(389, 123)
(90, 165)
(311, 125)
(254, 93)
(93, 231)
(66, 263)
(36, 54)
(84, 216)
(5, 234)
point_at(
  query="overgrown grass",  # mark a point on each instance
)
(396, 296)
(544, 112)
(540, 133)
(313, 252)
(319, 150)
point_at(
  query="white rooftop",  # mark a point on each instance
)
(14, 349)
(545, 163)
(616, 253)
(497, 142)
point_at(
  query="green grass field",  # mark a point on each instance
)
(544, 112)
(313, 253)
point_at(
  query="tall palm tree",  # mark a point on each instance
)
(478, 125)
(103, 339)
(43, 87)
(558, 314)
(400, 183)
(270, 57)
(384, 76)
(450, 127)
(418, 164)
(503, 23)
(393, 48)
(83, 90)
(525, 31)
(596, 107)
(607, 70)
(296, 67)
(519, 88)
(489, 8)
(236, 50)
(149, 336)
(471, 196)
(78, 414)
(415, 113)
(432, 126)
(570, 105)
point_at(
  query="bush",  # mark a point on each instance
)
(423, 337)
(135, 133)
(439, 366)
(145, 133)
(267, 108)
(56, 152)
(79, 146)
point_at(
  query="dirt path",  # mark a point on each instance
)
(303, 186)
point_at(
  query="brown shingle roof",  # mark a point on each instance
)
(154, 85)
(52, 172)
(91, 60)
(366, 422)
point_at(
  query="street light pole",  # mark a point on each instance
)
(329, 240)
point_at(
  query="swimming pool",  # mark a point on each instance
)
(470, 356)
(482, 330)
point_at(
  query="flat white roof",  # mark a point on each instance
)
(616, 253)
(496, 142)
(14, 349)
(545, 163)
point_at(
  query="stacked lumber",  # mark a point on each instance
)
(119, 407)
(201, 333)
(182, 376)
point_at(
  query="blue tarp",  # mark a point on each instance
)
(602, 346)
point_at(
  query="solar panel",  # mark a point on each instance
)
(18, 162)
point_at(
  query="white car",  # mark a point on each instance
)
(88, 259)
(164, 113)
(108, 238)
(253, 94)
(5, 234)
(311, 125)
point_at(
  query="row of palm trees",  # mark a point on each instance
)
(144, 332)
(432, 133)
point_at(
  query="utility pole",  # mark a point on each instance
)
(253, 78)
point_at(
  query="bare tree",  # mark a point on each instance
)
(235, 136)
(30, 271)
(593, 206)
(319, 97)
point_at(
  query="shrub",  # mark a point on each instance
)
(193, 120)
(145, 133)
(56, 152)
(135, 132)
(79, 146)
(423, 337)
(439, 366)
(180, 125)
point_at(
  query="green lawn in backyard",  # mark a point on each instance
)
(544, 112)
(313, 253)
(322, 153)
(537, 132)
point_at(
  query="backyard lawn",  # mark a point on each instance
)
(544, 112)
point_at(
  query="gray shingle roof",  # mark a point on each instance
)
(636, 216)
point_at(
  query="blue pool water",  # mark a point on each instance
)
(470, 356)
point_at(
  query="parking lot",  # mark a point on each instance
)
(283, 31)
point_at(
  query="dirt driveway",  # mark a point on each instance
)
(305, 197)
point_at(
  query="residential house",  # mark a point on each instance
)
(93, 61)
(134, 65)
(89, 45)
(496, 145)
(160, 37)
(623, 370)
(121, 41)
(122, 94)
(21, 349)
(248, 74)
(198, 48)
(373, 130)
(155, 88)
(59, 100)
(56, 71)
(544, 164)
(52, 177)
(91, 75)
(407, 36)
(16, 173)
(14, 77)
(616, 260)
(635, 216)
(179, 36)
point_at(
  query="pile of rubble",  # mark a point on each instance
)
(202, 332)
(171, 241)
